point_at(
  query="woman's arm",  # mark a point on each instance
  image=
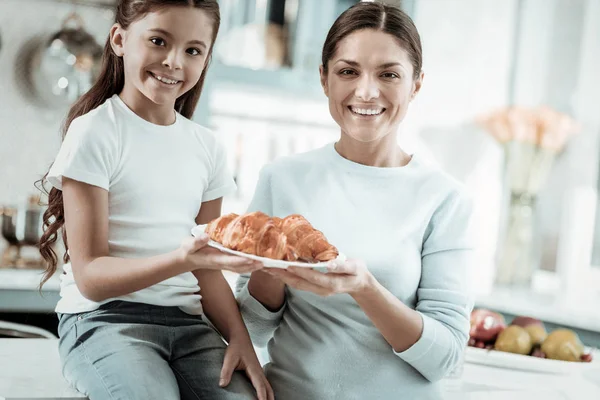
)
(99, 276)
(432, 337)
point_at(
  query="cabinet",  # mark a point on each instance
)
(273, 44)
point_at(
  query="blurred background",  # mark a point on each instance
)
(510, 106)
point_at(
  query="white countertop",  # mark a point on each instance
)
(26, 279)
(34, 373)
(577, 312)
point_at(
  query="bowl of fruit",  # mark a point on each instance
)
(524, 344)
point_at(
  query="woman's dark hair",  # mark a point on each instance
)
(110, 82)
(377, 16)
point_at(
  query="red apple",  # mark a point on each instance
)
(486, 325)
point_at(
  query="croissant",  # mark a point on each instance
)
(291, 238)
(308, 243)
(253, 233)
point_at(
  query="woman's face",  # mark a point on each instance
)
(369, 84)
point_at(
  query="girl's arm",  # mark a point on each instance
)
(222, 310)
(99, 276)
(218, 302)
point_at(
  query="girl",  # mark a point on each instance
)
(131, 179)
(393, 324)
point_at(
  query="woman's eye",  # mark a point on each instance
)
(347, 72)
(158, 41)
(194, 51)
(390, 75)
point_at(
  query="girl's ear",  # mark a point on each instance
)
(117, 39)
(323, 76)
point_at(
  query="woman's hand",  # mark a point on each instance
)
(195, 254)
(351, 276)
(240, 355)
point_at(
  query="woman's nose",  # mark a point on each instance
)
(366, 88)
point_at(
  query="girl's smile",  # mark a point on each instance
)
(165, 79)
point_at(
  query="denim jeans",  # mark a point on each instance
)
(134, 351)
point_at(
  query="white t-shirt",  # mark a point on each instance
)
(156, 177)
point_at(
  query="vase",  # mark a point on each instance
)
(517, 259)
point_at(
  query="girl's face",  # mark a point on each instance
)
(165, 52)
(369, 84)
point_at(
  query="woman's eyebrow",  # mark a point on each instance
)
(384, 65)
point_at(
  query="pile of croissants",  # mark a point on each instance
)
(291, 238)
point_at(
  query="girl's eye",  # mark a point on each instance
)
(194, 51)
(390, 75)
(346, 72)
(158, 41)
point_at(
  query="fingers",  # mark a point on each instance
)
(229, 365)
(236, 264)
(259, 382)
(244, 269)
(330, 281)
(193, 244)
(349, 267)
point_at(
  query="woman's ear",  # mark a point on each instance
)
(323, 76)
(117, 39)
(417, 85)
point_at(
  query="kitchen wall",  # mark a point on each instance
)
(29, 134)
(469, 51)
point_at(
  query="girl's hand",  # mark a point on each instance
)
(195, 254)
(240, 355)
(351, 276)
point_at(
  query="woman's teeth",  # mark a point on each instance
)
(366, 111)
(164, 80)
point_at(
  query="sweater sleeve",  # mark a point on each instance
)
(443, 299)
(261, 322)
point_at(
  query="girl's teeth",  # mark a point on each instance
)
(165, 80)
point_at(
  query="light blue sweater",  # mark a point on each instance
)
(411, 225)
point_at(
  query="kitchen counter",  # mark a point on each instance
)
(34, 373)
(19, 291)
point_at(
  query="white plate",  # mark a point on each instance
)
(512, 361)
(267, 262)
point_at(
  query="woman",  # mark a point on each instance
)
(394, 318)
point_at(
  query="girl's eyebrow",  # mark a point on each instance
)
(167, 34)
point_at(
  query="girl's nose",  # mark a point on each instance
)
(173, 60)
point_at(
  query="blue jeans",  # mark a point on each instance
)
(134, 351)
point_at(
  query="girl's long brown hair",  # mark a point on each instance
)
(110, 82)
